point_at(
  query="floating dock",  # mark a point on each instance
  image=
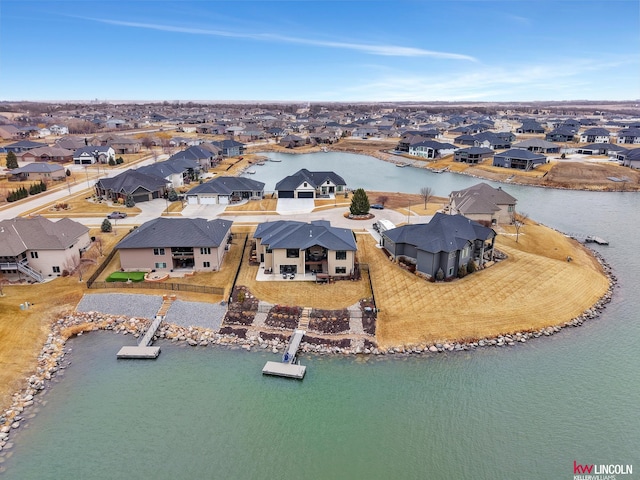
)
(144, 348)
(280, 369)
(288, 367)
(139, 352)
(594, 239)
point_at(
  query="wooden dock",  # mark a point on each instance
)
(288, 367)
(144, 348)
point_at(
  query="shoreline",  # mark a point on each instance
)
(388, 157)
(53, 352)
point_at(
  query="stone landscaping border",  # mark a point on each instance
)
(52, 357)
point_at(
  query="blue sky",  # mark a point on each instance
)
(367, 50)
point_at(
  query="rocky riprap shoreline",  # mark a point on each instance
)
(52, 358)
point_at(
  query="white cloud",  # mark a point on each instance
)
(384, 50)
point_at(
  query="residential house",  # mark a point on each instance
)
(472, 154)
(176, 171)
(292, 141)
(599, 149)
(538, 145)
(9, 132)
(125, 145)
(530, 126)
(595, 135)
(230, 148)
(71, 143)
(306, 249)
(484, 204)
(23, 146)
(629, 136)
(306, 184)
(431, 149)
(224, 190)
(46, 154)
(443, 245)
(168, 244)
(59, 130)
(630, 158)
(37, 172)
(141, 186)
(41, 248)
(518, 158)
(93, 154)
(561, 134)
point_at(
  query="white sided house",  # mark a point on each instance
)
(169, 244)
(306, 184)
(39, 248)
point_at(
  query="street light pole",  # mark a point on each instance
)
(87, 173)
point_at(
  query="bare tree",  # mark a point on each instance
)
(426, 193)
(99, 246)
(519, 220)
(382, 199)
(147, 142)
(3, 281)
(78, 265)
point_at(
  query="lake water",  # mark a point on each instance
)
(523, 412)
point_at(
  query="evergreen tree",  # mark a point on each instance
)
(359, 203)
(112, 162)
(43, 186)
(130, 202)
(12, 161)
(172, 196)
(106, 226)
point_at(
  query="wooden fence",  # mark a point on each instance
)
(179, 287)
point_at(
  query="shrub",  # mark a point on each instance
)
(462, 270)
(130, 202)
(471, 266)
(439, 275)
(119, 161)
(112, 162)
(172, 196)
(106, 226)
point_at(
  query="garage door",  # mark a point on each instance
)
(140, 198)
(305, 194)
(192, 200)
(224, 199)
(285, 194)
(208, 200)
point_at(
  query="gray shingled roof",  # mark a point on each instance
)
(291, 234)
(315, 179)
(38, 167)
(37, 233)
(130, 180)
(228, 185)
(177, 232)
(444, 233)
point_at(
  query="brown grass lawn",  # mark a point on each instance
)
(337, 295)
(80, 206)
(533, 288)
(264, 205)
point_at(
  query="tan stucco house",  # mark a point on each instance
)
(41, 248)
(483, 203)
(169, 244)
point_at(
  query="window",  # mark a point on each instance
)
(205, 251)
(341, 270)
(158, 251)
(206, 264)
(161, 265)
(56, 269)
(293, 253)
(511, 208)
(34, 254)
(341, 254)
(268, 250)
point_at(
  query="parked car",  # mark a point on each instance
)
(116, 215)
(377, 206)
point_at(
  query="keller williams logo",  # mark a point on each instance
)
(598, 472)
